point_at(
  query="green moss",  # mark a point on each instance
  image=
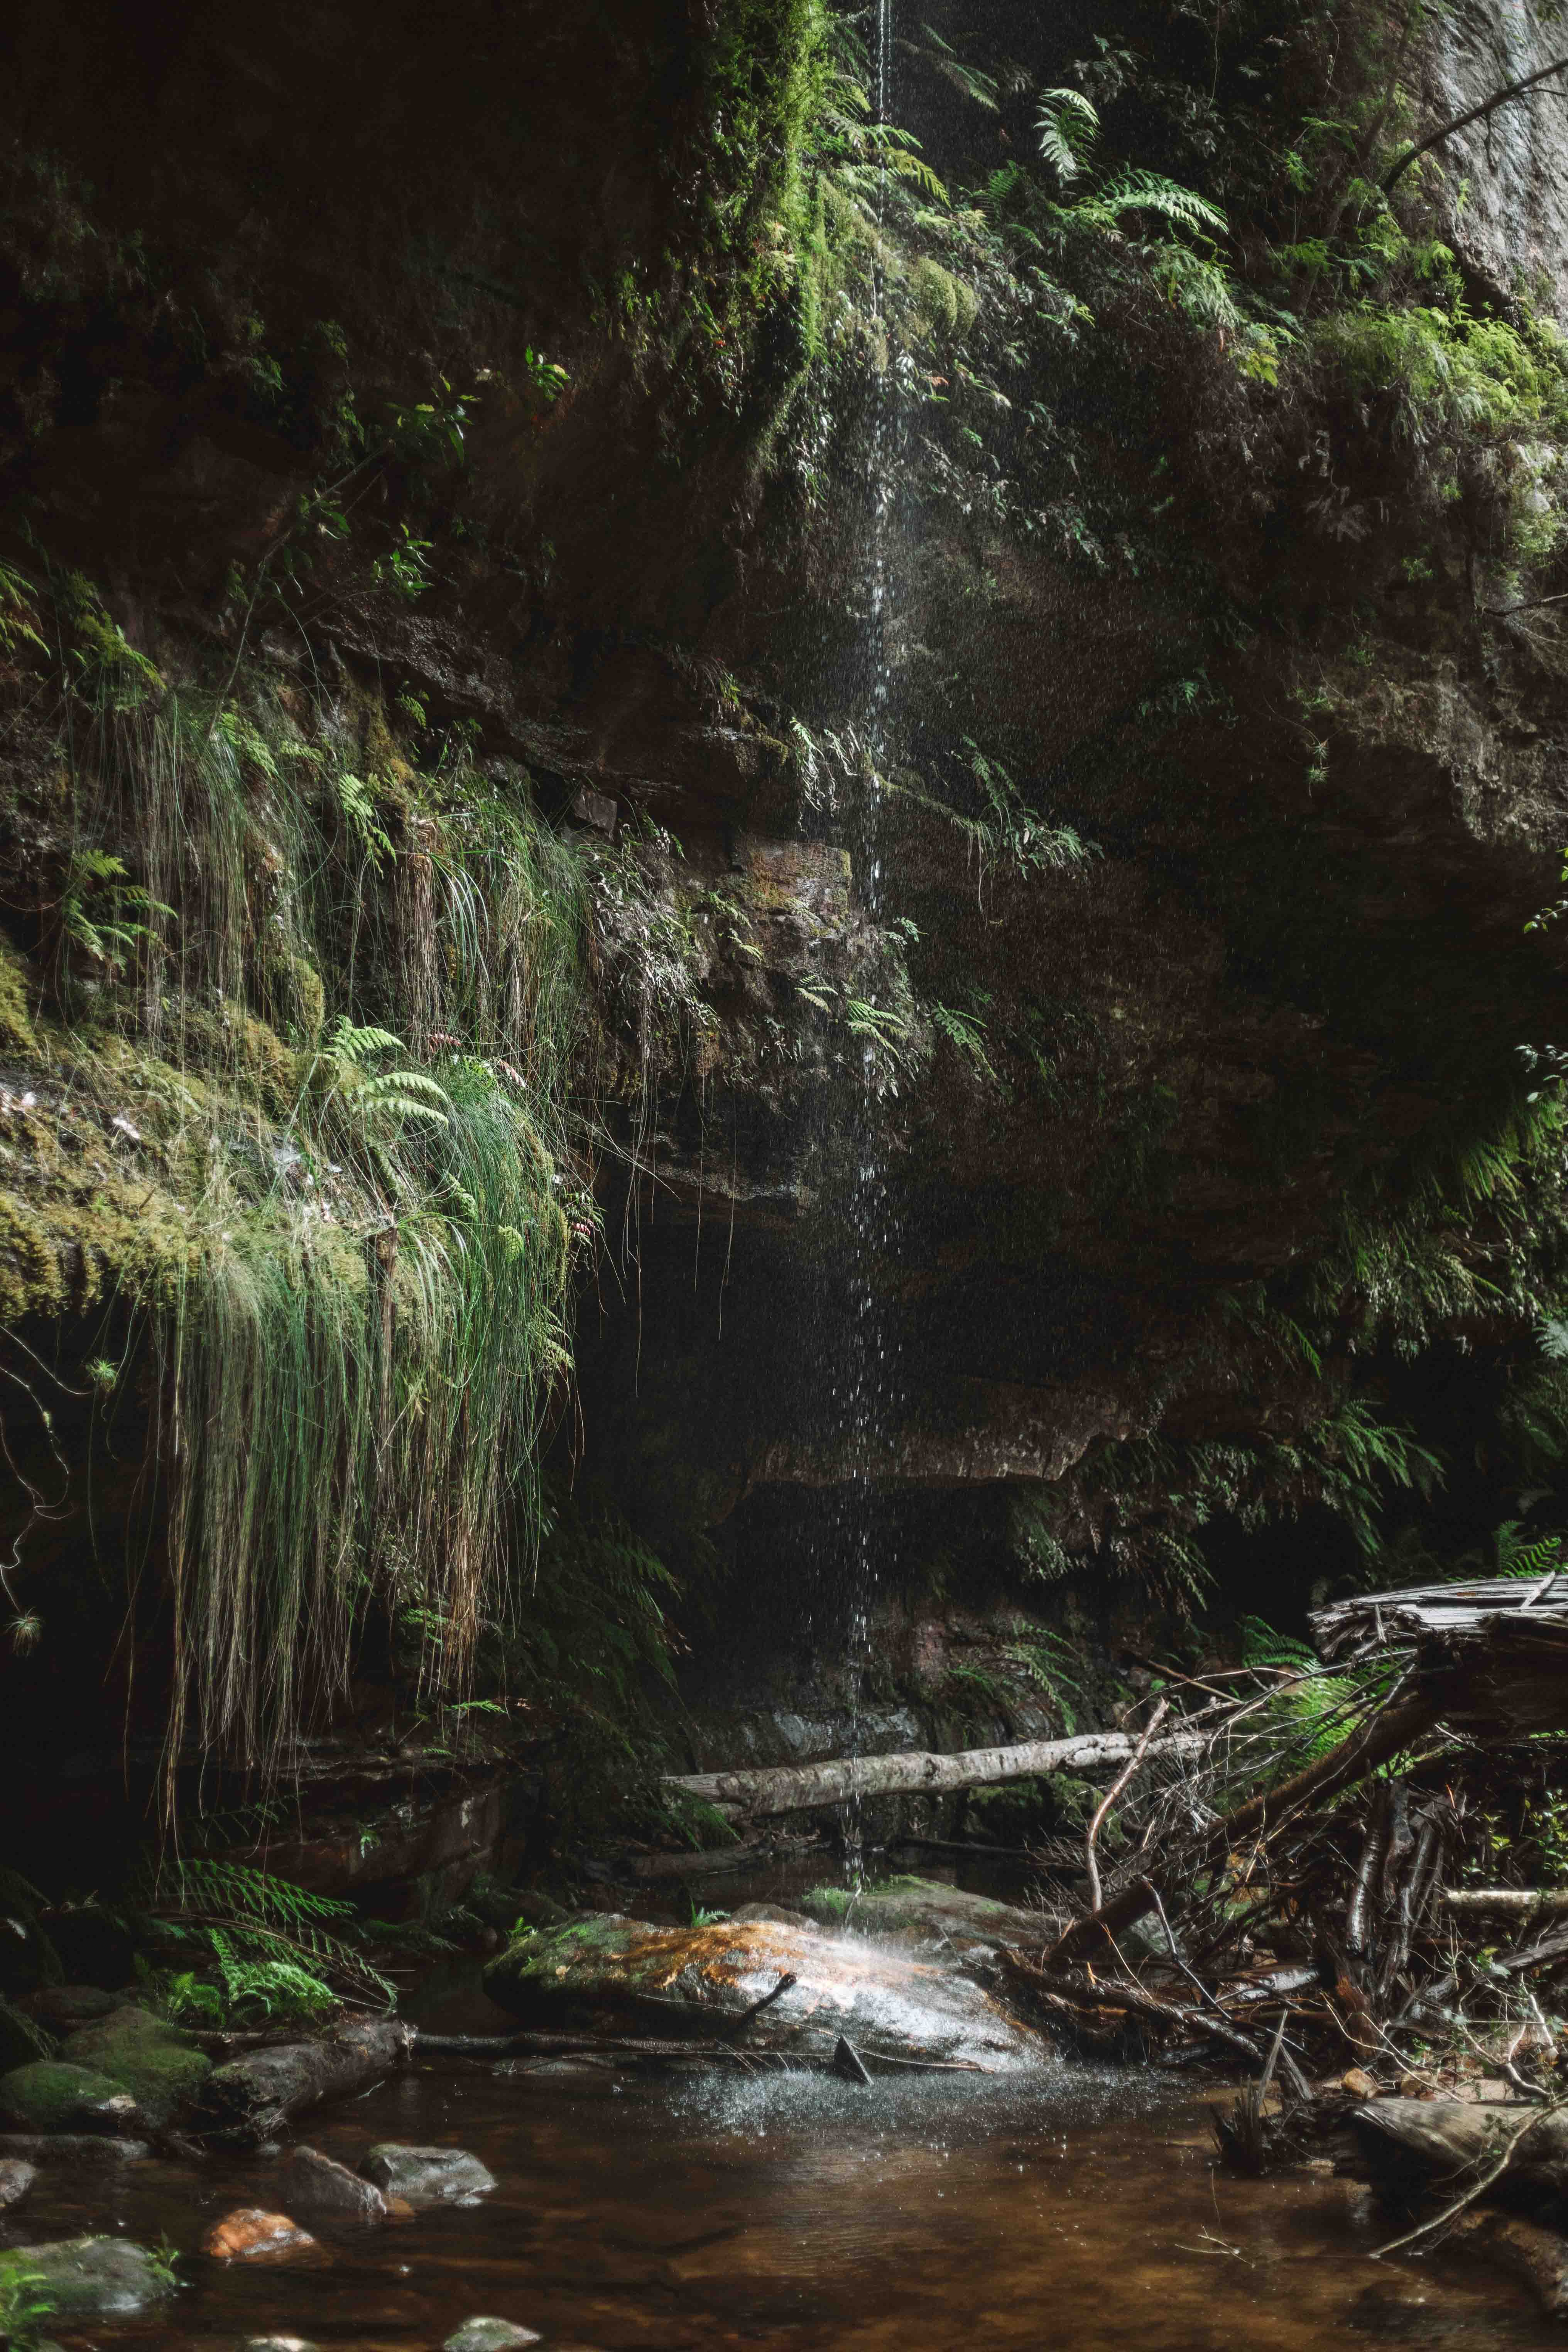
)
(151, 2060)
(16, 1018)
(51, 2095)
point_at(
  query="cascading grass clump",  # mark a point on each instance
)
(349, 988)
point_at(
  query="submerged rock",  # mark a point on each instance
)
(250, 2232)
(621, 1975)
(928, 1909)
(427, 2176)
(154, 2062)
(53, 2095)
(91, 2278)
(490, 2336)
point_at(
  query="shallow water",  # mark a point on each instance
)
(1064, 2210)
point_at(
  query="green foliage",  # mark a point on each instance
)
(1311, 1710)
(358, 1321)
(965, 1032)
(27, 2305)
(277, 1950)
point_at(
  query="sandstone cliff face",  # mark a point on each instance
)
(1046, 1230)
(1508, 209)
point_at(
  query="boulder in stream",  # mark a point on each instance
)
(314, 2183)
(483, 2335)
(926, 1910)
(159, 2066)
(607, 1973)
(54, 2095)
(91, 2278)
(427, 2176)
(249, 2233)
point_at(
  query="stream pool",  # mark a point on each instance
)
(1063, 2211)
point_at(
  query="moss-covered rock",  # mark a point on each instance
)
(925, 1908)
(91, 2278)
(154, 2062)
(51, 2095)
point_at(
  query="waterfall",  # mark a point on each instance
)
(868, 1400)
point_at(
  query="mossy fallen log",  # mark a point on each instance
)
(249, 2099)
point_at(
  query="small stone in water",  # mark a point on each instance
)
(277, 2344)
(16, 2177)
(248, 2232)
(427, 2176)
(490, 2336)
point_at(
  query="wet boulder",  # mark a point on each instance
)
(612, 1974)
(483, 2335)
(52, 2095)
(89, 2278)
(314, 2183)
(924, 1910)
(157, 2064)
(427, 2176)
(16, 2176)
(250, 2234)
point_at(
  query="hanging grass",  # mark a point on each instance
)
(356, 989)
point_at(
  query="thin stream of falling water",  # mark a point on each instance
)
(870, 1400)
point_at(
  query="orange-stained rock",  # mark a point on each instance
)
(248, 2231)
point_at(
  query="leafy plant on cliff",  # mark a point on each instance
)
(355, 1285)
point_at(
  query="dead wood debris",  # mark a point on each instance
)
(1349, 1892)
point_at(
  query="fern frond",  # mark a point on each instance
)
(1151, 191)
(1066, 128)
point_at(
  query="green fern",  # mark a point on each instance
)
(1066, 128)
(275, 1945)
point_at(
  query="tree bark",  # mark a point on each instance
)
(248, 2100)
(803, 1787)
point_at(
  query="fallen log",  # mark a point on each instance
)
(1527, 1900)
(249, 2099)
(1372, 1743)
(1493, 1654)
(805, 1788)
(1450, 2142)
